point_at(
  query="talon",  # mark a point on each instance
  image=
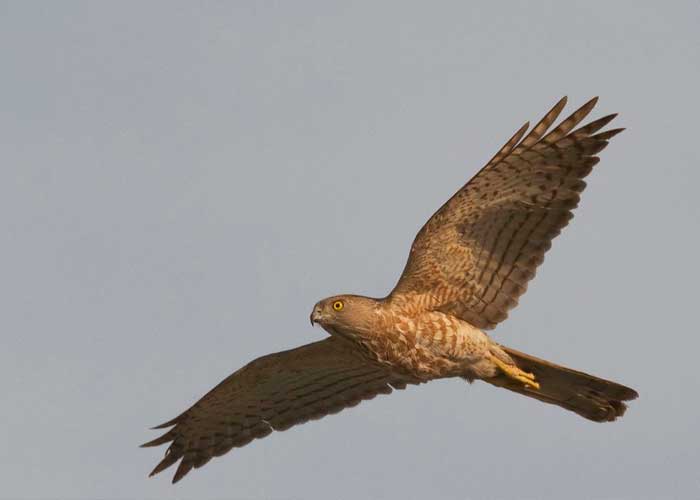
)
(529, 382)
(512, 371)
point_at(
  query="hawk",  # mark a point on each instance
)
(467, 267)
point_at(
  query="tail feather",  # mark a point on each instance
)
(591, 397)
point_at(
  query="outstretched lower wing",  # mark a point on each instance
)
(476, 254)
(273, 392)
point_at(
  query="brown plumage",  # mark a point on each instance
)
(467, 268)
(273, 392)
(476, 254)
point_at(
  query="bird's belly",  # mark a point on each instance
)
(430, 345)
(410, 359)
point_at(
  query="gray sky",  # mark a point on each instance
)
(181, 182)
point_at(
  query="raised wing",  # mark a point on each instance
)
(476, 254)
(274, 392)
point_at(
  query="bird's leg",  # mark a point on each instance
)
(516, 373)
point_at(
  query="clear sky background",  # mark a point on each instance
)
(181, 182)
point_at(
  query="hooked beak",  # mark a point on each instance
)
(316, 316)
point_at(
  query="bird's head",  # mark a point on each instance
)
(345, 314)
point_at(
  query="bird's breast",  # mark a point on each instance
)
(426, 345)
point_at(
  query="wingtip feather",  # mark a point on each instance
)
(570, 122)
(182, 470)
(165, 438)
(169, 423)
(167, 461)
(587, 107)
(608, 134)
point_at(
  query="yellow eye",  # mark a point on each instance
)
(338, 305)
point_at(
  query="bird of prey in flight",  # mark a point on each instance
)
(467, 267)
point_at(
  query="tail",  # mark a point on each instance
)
(591, 397)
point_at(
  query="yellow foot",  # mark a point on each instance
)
(516, 373)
